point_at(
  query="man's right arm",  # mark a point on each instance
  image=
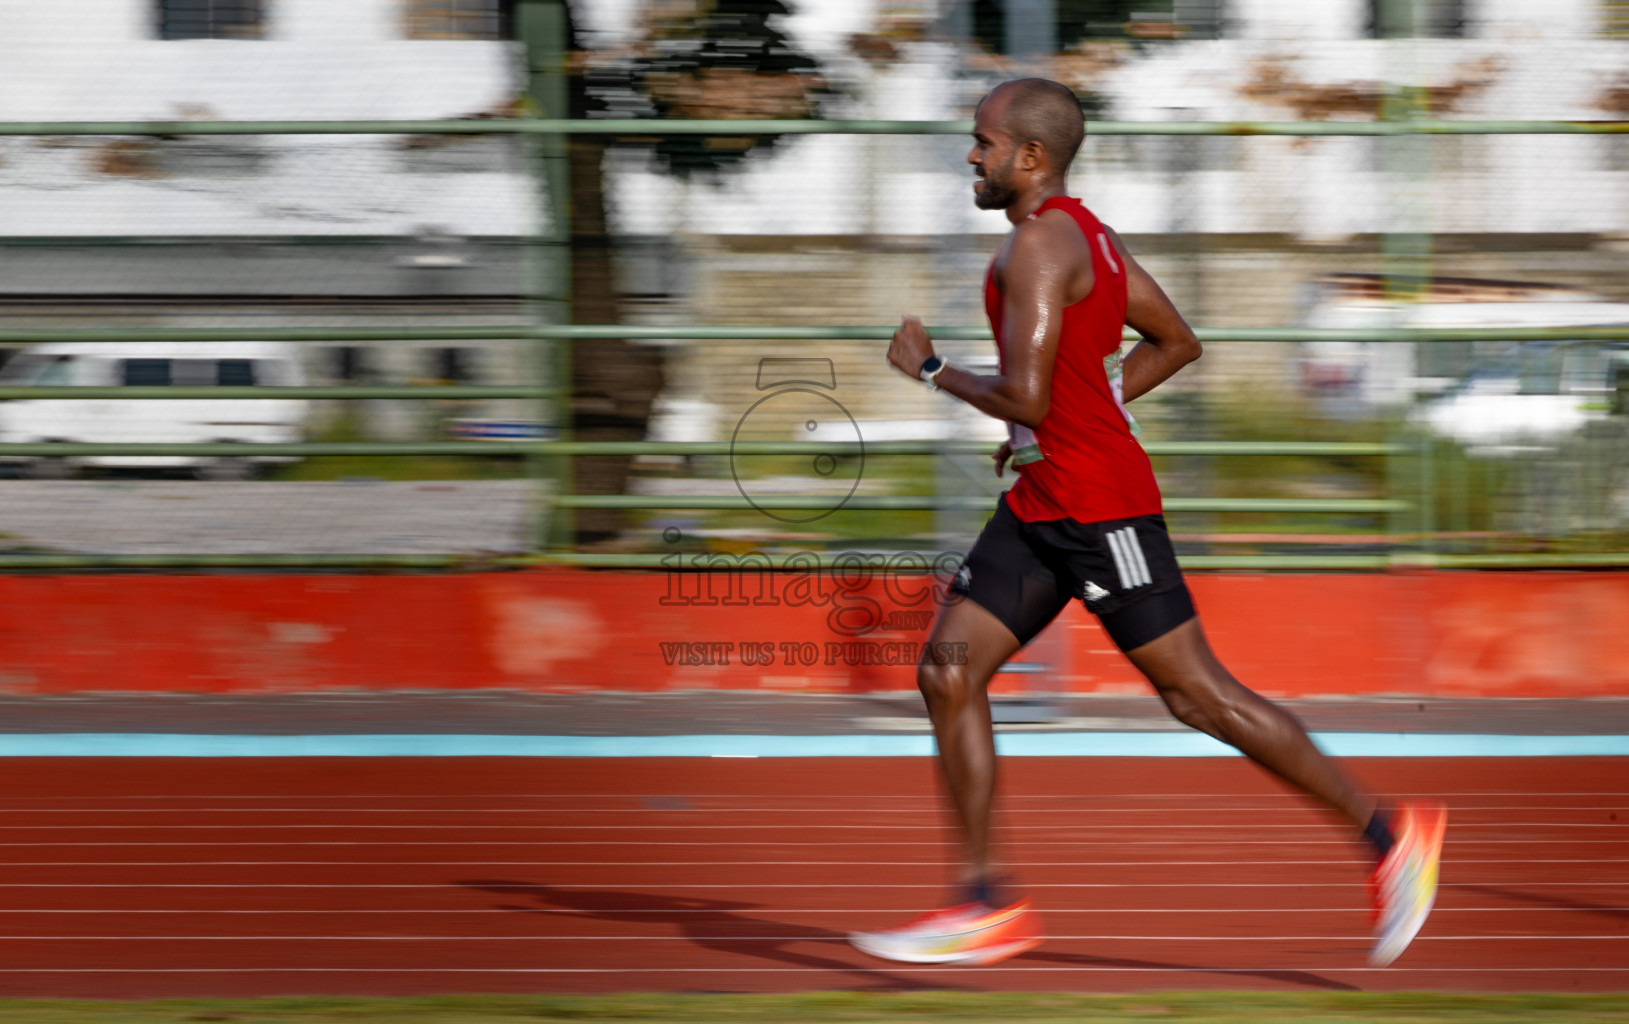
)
(1168, 342)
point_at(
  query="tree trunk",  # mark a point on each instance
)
(613, 383)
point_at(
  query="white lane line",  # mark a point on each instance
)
(1331, 862)
(1453, 840)
(926, 804)
(958, 970)
(839, 802)
(1365, 939)
(1084, 822)
(639, 794)
(548, 844)
(739, 887)
(783, 911)
(822, 819)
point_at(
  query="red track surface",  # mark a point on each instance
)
(371, 877)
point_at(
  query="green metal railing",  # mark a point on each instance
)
(645, 128)
(553, 130)
(748, 332)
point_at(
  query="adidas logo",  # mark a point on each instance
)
(964, 578)
(1093, 592)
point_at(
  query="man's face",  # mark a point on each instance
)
(992, 157)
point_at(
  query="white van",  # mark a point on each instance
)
(154, 420)
(1487, 394)
(1529, 393)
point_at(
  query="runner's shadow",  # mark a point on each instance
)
(1557, 902)
(1290, 977)
(709, 923)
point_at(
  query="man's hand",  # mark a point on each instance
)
(1001, 456)
(910, 348)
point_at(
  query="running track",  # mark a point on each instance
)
(133, 878)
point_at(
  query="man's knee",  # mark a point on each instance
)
(1202, 703)
(943, 685)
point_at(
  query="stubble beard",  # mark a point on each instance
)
(998, 192)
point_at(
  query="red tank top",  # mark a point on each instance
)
(1093, 469)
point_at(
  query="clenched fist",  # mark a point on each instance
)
(911, 347)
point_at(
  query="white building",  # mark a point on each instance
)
(367, 59)
(305, 60)
(1277, 60)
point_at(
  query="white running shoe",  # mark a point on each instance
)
(1404, 886)
(969, 934)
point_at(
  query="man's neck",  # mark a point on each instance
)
(1031, 201)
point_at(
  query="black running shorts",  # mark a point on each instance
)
(1123, 570)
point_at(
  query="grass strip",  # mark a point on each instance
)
(850, 1008)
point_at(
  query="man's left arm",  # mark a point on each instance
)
(1168, 343)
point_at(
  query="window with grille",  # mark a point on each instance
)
(140, 373)
(1200, 19)
(1078, 20)
(235, 373)
(210, 19)
(459, 19)
(1437, 19)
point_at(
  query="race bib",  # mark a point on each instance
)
(1025, 449)
(1112, 367)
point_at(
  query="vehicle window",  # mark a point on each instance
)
(1541, 370)
(1446, 358)
(138, 373)
(19, 369)
(59, 370)
(235, 373)
(1586, 370)
(30, 370)
(192, 373)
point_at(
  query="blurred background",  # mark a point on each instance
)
(1417, 341)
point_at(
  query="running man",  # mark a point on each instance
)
(1083, 521)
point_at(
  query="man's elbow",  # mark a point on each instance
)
(1191, 349)
(1032, 412)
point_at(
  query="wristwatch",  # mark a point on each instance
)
(932, 367)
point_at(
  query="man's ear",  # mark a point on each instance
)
(1032, 155)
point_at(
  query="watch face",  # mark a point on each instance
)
(831, 477)
(932, 365)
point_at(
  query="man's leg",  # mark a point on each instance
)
(957, 697)
(1201, 693)
(979, 928)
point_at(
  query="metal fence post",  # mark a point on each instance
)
(1405, 246)
(541, 27)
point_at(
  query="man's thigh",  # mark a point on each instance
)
(1009, 578)
(1124, 571)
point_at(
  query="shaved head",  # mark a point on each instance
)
(1041, 110)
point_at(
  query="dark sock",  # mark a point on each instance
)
(1379, 834)
(982, 891)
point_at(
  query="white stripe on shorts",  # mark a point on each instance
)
(1137, 555)
(1128, 558)
(1116, 543)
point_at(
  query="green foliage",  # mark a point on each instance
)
(347, 426)
(886, 474)
(855, 1008)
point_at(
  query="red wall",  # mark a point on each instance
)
(1444, 634)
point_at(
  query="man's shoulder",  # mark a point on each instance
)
(1049, 230)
